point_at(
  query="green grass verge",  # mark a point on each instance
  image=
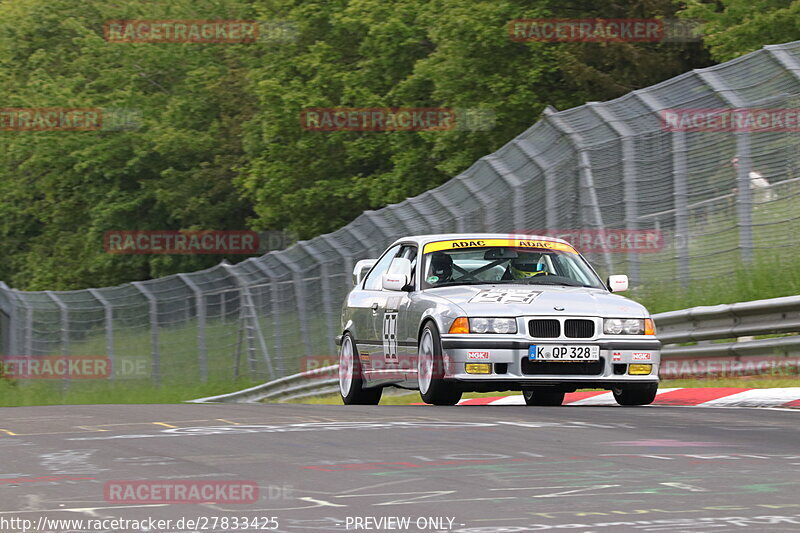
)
(715, 261)
(108, 392)
(769, 277)
(744, 382)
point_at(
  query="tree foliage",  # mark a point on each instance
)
(217, 142)
(735, 27)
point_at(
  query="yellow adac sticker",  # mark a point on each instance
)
(514, 243)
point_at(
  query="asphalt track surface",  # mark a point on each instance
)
(476, 469)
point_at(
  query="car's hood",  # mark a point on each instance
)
(528, 299)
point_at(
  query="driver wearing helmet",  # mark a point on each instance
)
(441, 268)
(525, 267)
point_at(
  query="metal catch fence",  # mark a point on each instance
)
(719, 198)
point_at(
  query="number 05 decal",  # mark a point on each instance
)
(390, 336)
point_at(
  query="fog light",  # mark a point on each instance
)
(639, 370)
(479, 368)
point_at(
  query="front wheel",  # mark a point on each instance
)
(351, 382)
(543, 396)
(430, 370)
(635, 394)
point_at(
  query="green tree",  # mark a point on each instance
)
(60, 191)
(736, 27)
(442, 53)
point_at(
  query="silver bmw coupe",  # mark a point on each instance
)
(448, 314)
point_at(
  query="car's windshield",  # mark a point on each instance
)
(556, 264)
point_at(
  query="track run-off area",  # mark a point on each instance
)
(467, 469)
(700, 397)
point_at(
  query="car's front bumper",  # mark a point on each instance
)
(510, 368)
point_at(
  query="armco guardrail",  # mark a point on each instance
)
(302, 385)
(696, 324)
(731, 321)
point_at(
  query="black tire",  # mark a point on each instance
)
(437, 390)
(352, 390)
(635, 394)
(549, 396)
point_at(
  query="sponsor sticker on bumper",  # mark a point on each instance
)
(478, 356)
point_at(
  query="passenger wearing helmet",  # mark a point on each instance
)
(525, 267)
(441, 269)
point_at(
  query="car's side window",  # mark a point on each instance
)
(409, 252)
(373, 281)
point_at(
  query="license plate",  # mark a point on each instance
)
(558, 352)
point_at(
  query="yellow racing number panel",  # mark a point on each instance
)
(513, 243)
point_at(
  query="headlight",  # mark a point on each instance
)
(624, 326)
(633, 327)
(493, 325)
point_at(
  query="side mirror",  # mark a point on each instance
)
(361, 269)
(617, 283)
(398, 275)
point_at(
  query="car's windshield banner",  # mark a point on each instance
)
(513, 243)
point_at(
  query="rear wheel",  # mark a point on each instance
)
(433, 388)
(351, 383)
(635, 394)
(543, 396)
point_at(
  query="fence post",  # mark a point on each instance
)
(155, 351)
(327, 307)
(275, 311)
(585, 165)
(64, 315)
(109, 319)
(64, 312)
(550, 183)
(435, 224)
(453, 211)
(361, 237)
(300, 298)
(431, 222)
(347, 260)
(629, 187)
(247, 298)
(370, 215)
(787, 60)
(201, 325)
(10, 309)
(28, 328)
(679, 193)
(744, 203)
(487, 220)
(517, 197)
(744, 200)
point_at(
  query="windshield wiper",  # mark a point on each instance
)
(545, 281)
(453, 283)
